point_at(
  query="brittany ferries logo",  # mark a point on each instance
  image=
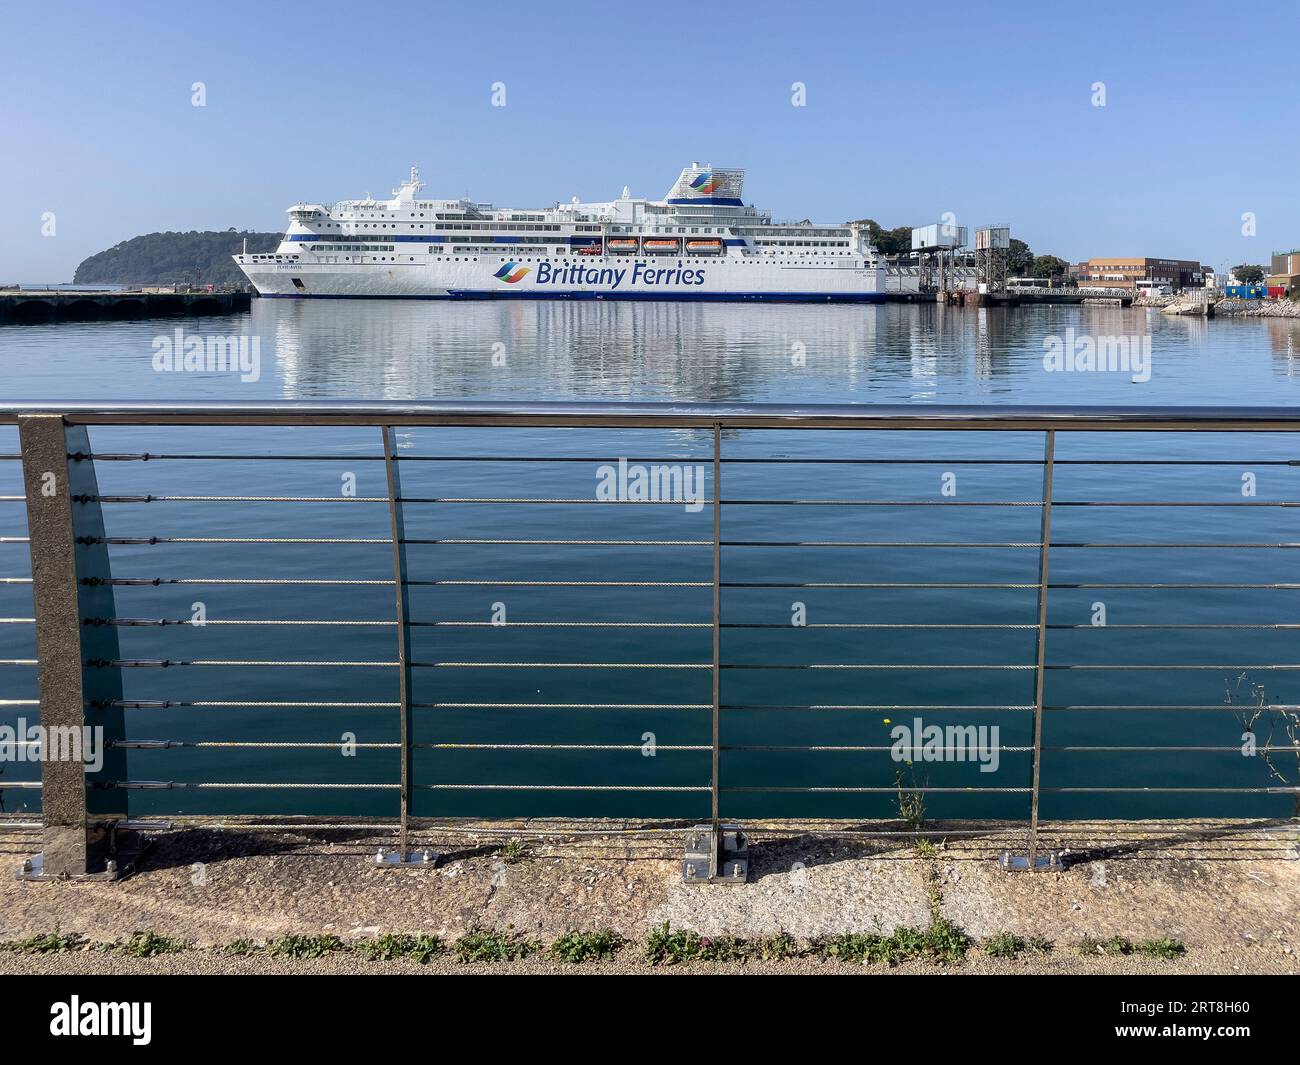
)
(510, 273)
(705, 184)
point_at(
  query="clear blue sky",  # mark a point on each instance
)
(913, 109)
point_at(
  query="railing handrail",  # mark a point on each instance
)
(667, 415)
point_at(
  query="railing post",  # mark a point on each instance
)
(716, 853)
(1031, 860)
(715, 783)
(397, 531)
(80, 685)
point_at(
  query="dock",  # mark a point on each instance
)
(1015, 298)
(65, 305)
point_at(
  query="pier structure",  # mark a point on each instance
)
(66, 305)
(1017, 297)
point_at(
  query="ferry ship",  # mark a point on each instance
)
(700, 242)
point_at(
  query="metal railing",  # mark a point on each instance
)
(85, 677)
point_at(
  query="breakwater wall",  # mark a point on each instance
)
(59, 305)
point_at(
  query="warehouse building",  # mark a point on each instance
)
(1173, 274)
(1284, 273)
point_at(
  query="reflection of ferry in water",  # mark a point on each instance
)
(701, 242)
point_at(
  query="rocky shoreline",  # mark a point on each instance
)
(1230, 308)
(1258, 308)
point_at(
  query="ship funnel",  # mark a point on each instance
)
(701, 183)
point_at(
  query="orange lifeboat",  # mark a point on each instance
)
(704, 247)
(661, 246)
(623, 245)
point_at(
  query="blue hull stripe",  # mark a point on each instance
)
(708, 297)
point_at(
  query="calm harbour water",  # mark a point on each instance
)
(684, 352)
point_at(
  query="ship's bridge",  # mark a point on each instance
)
(304, 212)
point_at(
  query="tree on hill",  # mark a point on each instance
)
(202, 258)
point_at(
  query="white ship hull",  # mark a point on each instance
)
(605, 277)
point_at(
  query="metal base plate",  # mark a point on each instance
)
(696, 871)
(425, 859)
(1044, 861)
(720, 857)
(33, 869)
(119, 846)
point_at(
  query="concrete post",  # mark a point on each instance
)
(63, 520)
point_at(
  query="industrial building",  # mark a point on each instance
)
(1173, 274)
(1284, 273)
(941, 263)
